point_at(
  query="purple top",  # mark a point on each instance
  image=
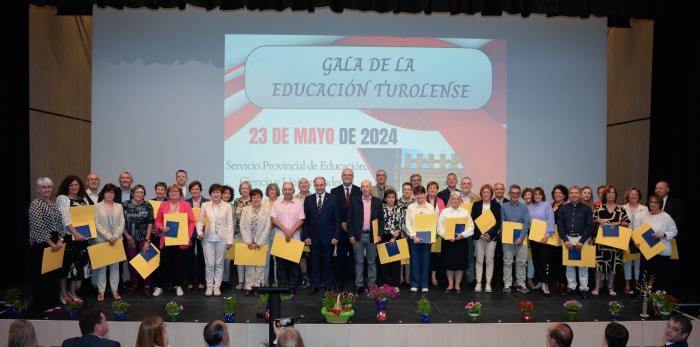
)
(543, 211)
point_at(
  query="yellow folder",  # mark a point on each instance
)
(245, 256)
(674, 250)
(587, 257)
(555, 240)
(627, 256)
(231, 252)
(375, 230)
(621, 241)
(538, 229)
(406, 261)
(646, 250)
(145, 267)
(425, 222)
(402, 255)
(290, 250)
(103, 254)
(486, 221)
(81, 216)
(156, 205)
(52, 260)
(183, 238)
(451, 224)
(467, 206)
(437, 246)
(195, 212)
(508, 230)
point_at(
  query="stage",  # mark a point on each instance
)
(499, 325)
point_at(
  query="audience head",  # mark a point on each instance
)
(21, 334)
(93, 322)
(678, 328)
(662, 189)
(347, 176)
(616, 335)
(72, 185)
(381, 177)
(93, 181)
(290, 337)
(152, 333)
(216, 334)
(451, 180)
(559, 335)
(181, 177)
(125, 180)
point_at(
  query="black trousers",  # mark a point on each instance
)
(172, 264)
(345, 261)
(390, 273)
(287, 273)
(319, 252)
(544, 264)
(662, 268)
(44, 287)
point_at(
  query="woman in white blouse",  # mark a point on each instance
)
(664, 228)
(635, 211)
(455, 251)
(109, 222)
(215, 229)
(419, 248)
(255, 228)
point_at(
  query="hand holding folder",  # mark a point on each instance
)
(649, 246)
(389, 253)
(578, 257)
(178, 233)
(614, 236)
(290, 250)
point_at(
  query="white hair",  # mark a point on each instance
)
(44, 182)
(456, 194)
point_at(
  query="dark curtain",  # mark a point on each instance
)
(675, 110)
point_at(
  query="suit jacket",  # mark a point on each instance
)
(102, 225)
(324, 225)
(339, 193)
(675, 209)
(375, 191)
(89, 341)
(200, 204)
(681, 343)
(444, 195)
(495, 208)
(356, 214)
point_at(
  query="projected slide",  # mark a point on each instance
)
(307, 106)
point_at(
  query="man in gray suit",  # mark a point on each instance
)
(381, 186)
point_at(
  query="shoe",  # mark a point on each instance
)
(75, 297)
(569, 292)
(147, 292)
(584, 294)
(595, 292)
(488, 288)
(424, 290)
(312, 291)
(537, 286)
(435, 283)
(239, 286)
(631, 292)
(545, 289)
(116, 295)
(506, 289)
(612, 292)
(209, 291)
(523, 289)
(157, 291)
(414, 289)
(100, 296)
(178, 291)
(477, 288)
(217, 291)
(189, 286)
(63, 300)
(200, 286)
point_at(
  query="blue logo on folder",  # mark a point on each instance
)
(173, 229)
(459, 228)
(633, 248)
(149, 253)
(516, 234)
(84, 230)
(574, 254)
(611, 231)
(424, 236)
(392, 249)
(651, 241)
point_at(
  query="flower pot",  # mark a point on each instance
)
(615, 316)
(173, 317)
(425, 317)
(473, 317)
(527, 317)
(665, 315)
(572, 316)
(381, 309)
(341, 318)
(119, 316)
(72, 314)
(228, 317)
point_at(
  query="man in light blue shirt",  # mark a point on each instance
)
(516, 212)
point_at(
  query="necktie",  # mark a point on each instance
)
(319, 204)
(347, 195)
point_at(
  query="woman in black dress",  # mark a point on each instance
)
(608, 259)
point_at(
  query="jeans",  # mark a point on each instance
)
(627, 267)
(530, 269)
(420, 264)
(214, 253)
(484, 249)
(520, 254)
(571, 272)
(362, 246)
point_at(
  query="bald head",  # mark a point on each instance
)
(560, 335)
(93, 181)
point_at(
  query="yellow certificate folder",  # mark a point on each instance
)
(179, 237)
(250, 257)
(103, 254)
(584, 257)
(52, 260)
(538, 229)
(467, 206)
(511, 232)
(486, 221)
(83, 220)
(143, 266)
(156, 205)
(399, 251)
(455, 226)
(648, 245)
(621, 241)
(425, 222)
(437, 246)
(674, 250)
(290, 250)
(231, 252)
(375, 230)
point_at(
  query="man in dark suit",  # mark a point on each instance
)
(361, 212)
(677, 331)
(343, 194)
(451, 187)
(125, 182)
(93, 326)
(320, 232)
(674, 208)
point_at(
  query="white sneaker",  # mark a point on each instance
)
(424, 290)
(477, 288)
(414, 289)
(157, 291)
(209, 291)
(178, 291)
(239, 286)
(488, 288)
(217, 292)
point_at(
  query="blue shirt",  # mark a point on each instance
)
(572, 220)
(516, 212)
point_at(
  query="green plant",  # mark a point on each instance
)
(230, 304)
(473, 307)
(173, 308)
(615, 307)
(11, 295)
(19, 305)
(262, 299)
(527, 307)
(424, 306)
(120, 306)
(572, 306)
(668, 303)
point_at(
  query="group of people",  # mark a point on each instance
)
(336, 225)
(152, 333)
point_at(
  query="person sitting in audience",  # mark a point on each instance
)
(216, 334)
(152, 333)
(21, 334)
(93, 326)
(677, 331)
(616, 335)
(559, 335)
(289, 337)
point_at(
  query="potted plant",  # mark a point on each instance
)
(381, 296)
(338, 307)
(668, 303)
(18, 307)
(119, 308)
(72, 307)
(527, 308)
(10, 297)
(424, 308)
(473, 311)
(572, 308)
(615, 308)
(173, 309)
(229, 308)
